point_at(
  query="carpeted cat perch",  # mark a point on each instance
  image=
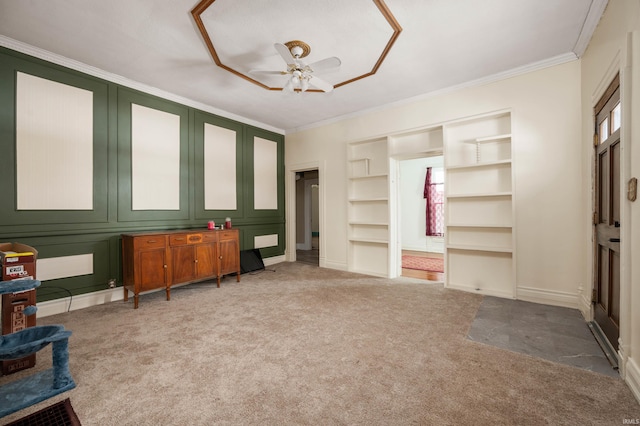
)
(32, 389)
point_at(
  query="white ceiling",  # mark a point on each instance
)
(443, 44)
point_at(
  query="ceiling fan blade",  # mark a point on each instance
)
(324, 65)
(263, 72)
(320, 84)
(285, 53)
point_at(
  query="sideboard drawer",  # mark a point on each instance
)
(148, 242)
(225, 235)
(209, 237)
(178, 240)
(194, 238)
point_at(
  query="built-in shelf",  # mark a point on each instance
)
(368, 200)
(372, 240)
(488, 194)
(368, 240)
(477, 225)
(493, 138)
(479, 248)
(477, 165)
(370, 176)
(480, 255)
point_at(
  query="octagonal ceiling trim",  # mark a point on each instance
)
(380, 4)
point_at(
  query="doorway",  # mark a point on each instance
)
(607, 223)
(421, 245)
(307, 217)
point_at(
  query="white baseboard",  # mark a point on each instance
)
(632, 377)
(59, 306)
(484, 292)
(548, 297)
(330, 264)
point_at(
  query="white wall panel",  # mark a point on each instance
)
(54, 145)
(64, 267)
(219, 168)
(155, 159)
(265, 177)
(262, 241)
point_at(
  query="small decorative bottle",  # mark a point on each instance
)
(227, 223)
(211, 225)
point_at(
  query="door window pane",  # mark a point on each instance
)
(603, 131)
(616, 118)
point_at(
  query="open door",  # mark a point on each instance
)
(606, 297)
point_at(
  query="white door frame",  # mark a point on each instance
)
(290, 210)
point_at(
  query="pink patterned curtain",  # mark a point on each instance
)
(434, 194)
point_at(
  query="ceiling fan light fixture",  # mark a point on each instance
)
(304, 85)
(289, 86)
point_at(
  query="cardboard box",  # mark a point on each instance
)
(18, 261)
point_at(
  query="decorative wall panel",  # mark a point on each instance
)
(262, 241)
(54, 268)
(265, 177)
(54, 145)
(155, 159)
(219, 168)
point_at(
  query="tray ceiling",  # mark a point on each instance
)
(443, 44)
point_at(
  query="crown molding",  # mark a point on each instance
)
(54, 58)
(536, 66)
(590, 23)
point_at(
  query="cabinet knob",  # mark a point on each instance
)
(220, 257)
(196, 260)
(165, 266)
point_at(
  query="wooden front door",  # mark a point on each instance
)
(607, 213)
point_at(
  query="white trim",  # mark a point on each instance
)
(290, 211)
(525, 69)
(484, 292)
(45, 55)
(340, 266)
(548, 297)
(632, 377)
(584, 303)
(590, 23)
(59, 306)
(66, 304)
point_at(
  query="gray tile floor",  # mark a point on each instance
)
(554, 333)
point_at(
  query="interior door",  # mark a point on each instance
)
(607, 214)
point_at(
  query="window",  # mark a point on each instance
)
(616, 117)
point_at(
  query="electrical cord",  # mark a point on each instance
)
(60, 288)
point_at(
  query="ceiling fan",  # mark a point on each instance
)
(301, 75)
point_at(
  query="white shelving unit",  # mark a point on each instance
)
(371, 204)
(479, 201)
(479, 236)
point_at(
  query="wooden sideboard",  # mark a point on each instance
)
(154, 260)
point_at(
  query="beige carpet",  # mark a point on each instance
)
(310, 346)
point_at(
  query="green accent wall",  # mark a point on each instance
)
(97, 231)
